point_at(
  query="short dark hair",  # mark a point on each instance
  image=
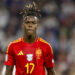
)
(31, 9)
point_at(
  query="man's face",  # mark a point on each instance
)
(30, 25)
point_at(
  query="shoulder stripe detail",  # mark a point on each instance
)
(44, 41)
(18, 40)
(51, 50)
(8, 48)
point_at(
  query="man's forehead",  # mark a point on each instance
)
(31, 18)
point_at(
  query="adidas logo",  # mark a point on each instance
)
(20, 53)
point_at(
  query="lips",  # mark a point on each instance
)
(30, 29)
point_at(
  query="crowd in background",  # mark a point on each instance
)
(57, 26)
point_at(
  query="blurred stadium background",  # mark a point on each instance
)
(57, 26)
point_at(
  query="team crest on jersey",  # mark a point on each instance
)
(29, 57)
(38, 53)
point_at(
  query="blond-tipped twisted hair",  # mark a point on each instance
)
(31, 9)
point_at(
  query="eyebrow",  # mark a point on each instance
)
(31, 21)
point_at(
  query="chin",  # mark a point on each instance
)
(30, 33)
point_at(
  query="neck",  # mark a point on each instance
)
(30, 38)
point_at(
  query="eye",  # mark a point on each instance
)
(27, 22)
(34, 22)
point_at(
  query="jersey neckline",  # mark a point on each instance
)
(30, 43)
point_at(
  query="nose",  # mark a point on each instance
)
(30, 25)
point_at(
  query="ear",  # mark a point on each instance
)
(37, 26)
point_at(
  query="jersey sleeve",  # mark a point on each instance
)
(49, 61)
(9, 58)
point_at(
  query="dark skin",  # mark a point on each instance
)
(30, 25)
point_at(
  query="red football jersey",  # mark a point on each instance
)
(30, 58)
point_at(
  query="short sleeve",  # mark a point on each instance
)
(9, 58)
(49, 61)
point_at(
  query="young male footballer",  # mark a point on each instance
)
(30, 53)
